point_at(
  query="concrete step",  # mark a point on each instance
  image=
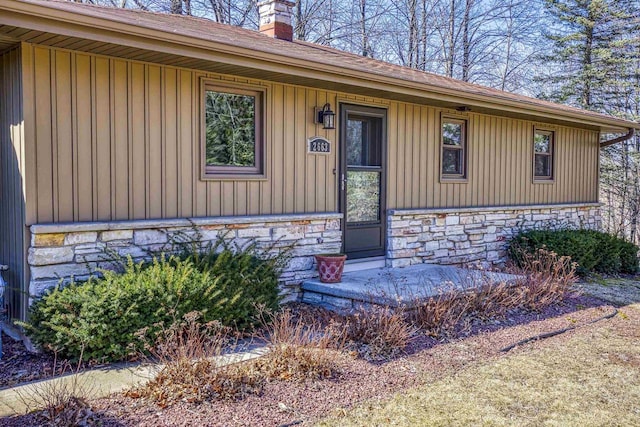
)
(395, 287)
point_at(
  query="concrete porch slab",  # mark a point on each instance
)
(395, 287)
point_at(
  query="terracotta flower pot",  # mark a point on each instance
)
(330, 267)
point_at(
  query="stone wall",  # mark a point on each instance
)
(61, 251)
(443, 236)
(473, 235)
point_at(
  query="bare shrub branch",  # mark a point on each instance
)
(543, 279)
(61, 401)
(297, 349)
(193, 365)
(378, 333)
(547, 279)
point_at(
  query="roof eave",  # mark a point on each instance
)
(40, 17)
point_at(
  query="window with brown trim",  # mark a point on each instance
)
(454, 146)
(233, 130)
(543, 147)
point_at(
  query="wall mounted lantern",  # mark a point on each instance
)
(326, 116)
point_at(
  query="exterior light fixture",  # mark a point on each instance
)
(326, 117)
(463, 108)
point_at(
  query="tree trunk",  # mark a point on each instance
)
(363, 28)
(300, 24)
(413, 34)
(218, 11)
(624, 186)
(176, 7)
(451, 39)
(423, 60)
(465, 41)
(586, 69)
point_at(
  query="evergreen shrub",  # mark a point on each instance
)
(593, 251)
(101, 317)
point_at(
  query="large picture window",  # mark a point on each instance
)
(543, 146)
(454, 146)
(233, 131)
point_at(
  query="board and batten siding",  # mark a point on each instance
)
(13, 233)
(499, 162)
(118, 139)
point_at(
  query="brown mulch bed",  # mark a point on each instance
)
(19, 366)
(283, 403)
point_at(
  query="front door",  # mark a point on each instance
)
(362, 180)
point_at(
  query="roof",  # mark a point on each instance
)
(191, 31)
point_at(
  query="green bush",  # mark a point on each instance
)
(247, 278)
(628, 257)
(101, 317)
(592, 250)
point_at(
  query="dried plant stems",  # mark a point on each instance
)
(297, 349)
(544, 279)
(61, 401)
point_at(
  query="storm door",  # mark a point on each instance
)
(363, 180)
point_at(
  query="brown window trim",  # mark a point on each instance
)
(256, 172)
(450, 177)
(545, 179)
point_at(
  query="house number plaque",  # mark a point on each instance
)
(318, 145)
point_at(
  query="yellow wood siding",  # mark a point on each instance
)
(13, 234)
(499, 162)
(116, 139)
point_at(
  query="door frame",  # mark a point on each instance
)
(381, 112)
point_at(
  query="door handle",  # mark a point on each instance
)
(343, 182)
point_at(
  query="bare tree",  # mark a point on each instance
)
(308, 14)
(363, 28)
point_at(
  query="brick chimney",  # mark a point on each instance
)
(275, 18)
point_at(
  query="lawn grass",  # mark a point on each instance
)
(588, 378)
(618, 291)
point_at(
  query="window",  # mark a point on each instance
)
(454, 145)
(543, 155)
(233, 131)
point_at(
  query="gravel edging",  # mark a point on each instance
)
(427, 359)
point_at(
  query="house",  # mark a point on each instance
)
(120, 127)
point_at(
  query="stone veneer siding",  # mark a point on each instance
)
(474, 235)
(61, 251)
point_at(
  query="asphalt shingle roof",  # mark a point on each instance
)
(236, 37)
